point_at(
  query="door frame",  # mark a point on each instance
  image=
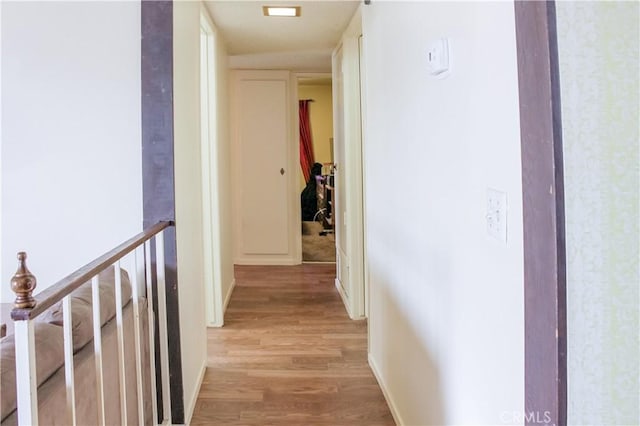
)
(363, 137)
(212, 245)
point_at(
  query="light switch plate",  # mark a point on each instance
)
(497, 214)
(438, 56)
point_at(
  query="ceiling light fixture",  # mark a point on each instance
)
(289, 11)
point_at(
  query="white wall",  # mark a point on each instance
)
(71, 166)
(446, 300)
(188, 173)
(600, 122)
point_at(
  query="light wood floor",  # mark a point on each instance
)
(289, 355)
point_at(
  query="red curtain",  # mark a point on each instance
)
(306, 142)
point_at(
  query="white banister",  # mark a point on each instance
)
(120, 334)
(97, 348)
(67, 330)
(136, 334)
(145, 257)
(162, 323)
(151, 325)
(27, 397)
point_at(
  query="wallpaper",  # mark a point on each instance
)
(598, 53)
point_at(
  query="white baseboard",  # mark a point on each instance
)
(225, 304)
(385, 391)
(192, 404)
(345, 300)
(220, 321)
(266, 261)
(228, 297)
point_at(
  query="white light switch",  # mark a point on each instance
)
(497, 214)
(438, 56)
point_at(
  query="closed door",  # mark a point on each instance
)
(262, 117)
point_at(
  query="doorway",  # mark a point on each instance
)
(316, 183)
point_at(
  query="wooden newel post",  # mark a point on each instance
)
(23, 283)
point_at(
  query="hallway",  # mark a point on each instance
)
(288, 355)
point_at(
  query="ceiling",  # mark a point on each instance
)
(303, 43)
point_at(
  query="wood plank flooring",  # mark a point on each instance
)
(289, 355)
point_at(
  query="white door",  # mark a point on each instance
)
(263, 180)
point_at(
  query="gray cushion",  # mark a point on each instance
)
(49, 358)
(81, 309)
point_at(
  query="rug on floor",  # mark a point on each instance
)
(317, 247)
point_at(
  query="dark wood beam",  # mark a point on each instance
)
(158, 185)
(543, 209)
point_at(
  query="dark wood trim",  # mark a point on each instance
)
(56, 292)
(543, 211)
(158, 179)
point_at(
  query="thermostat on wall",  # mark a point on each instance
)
(438, 56)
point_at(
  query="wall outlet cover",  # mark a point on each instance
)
(497, 214)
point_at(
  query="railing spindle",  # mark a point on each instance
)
(27, 396)
(162, 323)
(97, 347)
(151, 326)
(67, 330)
(136, 334)
(120, 333)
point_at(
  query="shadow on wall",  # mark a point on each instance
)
(414, 386)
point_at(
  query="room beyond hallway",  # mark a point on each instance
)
(289, 355)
